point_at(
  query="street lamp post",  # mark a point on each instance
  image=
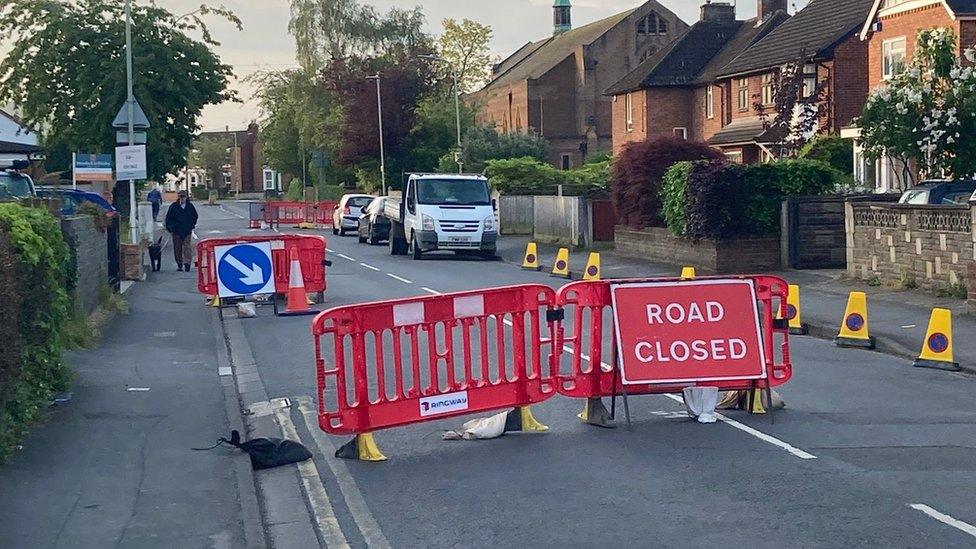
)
(457, 99)
(379, 117)
(130, 105)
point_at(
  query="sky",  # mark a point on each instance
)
(265, 44)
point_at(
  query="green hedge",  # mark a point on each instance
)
(37, 275)
(528, 176)
(715, 200)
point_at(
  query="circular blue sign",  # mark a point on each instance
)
(938, 343)
(244, 269)
(855, 322)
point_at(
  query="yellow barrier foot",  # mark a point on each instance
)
(688, 273)
(595, 413)
(755, 402)
(522, 420)
(215, 302)
(306, 226)
(362, 447)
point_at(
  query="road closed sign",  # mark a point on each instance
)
(689, 331)
(244, 269)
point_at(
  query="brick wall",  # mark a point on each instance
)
(90, 248)
(930, 245)
(739, 255)
(905, 24)
(849, 85)
(703, 128)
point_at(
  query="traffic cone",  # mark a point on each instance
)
(937, 348)
(687, 273)
(854, 330)
(531, 261)
(561, 267)
(297, 299)
(797, 327)
(592, 271)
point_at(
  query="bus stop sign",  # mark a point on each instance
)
(688, 331)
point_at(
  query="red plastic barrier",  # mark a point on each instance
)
(311, 255)
(321, 212)
(408, 361)
(589, 375)
(296, 213)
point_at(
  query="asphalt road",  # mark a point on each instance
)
(869, 452)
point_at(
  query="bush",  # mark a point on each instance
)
(198, 193)
(529, 176)
(766, 185)
(714, 200)
(330, 192)
(295, 190)
(832, 149)
(637, 175)
(481, 144)
(674, 196)
(37, 275)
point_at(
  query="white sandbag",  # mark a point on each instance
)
(700, 402)
(247, 310)
(481, 428)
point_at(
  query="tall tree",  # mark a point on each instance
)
(66, 73)
(211, 154)
(465, 46)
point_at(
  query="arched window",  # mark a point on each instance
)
(652, 24)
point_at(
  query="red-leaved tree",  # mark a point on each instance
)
(637, 174)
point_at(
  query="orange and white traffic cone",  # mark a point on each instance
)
(297, 299)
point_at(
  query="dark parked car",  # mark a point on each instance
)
(374, 227)
(14, 185)
(940, 192)
(72, 199)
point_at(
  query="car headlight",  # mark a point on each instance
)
(489, 224)
(428, 223)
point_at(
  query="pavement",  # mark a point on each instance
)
(898, 318)
(869, 451)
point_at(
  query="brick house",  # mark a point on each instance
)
(673, 92)
(554, 86)
(245, 161)
(890, 32)
(825, 36)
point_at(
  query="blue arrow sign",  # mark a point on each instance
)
(244, 269)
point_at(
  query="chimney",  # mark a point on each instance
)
(718, 12)
(769, 7)
(562, 17)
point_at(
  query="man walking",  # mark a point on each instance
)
(181, 218)
(156, 199)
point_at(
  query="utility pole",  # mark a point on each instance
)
(457, 101)
(379, 116)
(130, 105)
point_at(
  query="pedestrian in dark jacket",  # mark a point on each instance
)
(156, 199)
(181, 218)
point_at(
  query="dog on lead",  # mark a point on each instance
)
(156, 255)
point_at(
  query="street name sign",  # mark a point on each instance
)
(244, 269)
(688, 331)
(130, 162)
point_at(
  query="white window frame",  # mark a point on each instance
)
(630, 112)
(734, 156)
(710, 102)
(810, 79)
(680, 132)
(742, 87)
(889, 48)
(767, 89)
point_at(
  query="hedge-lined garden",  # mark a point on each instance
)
(37, 275)
(531, 177)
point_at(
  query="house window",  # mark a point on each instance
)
(767, 89)
(893, 54)
(766, 156)
(652, 24)
(630, 112)
(743, 89)
(681, 133)
(710, 102)
(809, 80)
(735, 157)
(566, 161)
(272, 180)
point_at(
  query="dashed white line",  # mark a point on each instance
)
(429, 291)
(400, 278)
(370, 267)
(344, 256)
(330, 250)
(944, 518)
(235, 214)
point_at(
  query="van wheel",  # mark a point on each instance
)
(335, 231)
(415, 248)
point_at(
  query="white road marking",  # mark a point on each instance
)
(401, 279)
(235, 214)
(330, 250)
(317, 496)
(344, 256)
(429, 291)
(164, 334)
(138, 389)
(372, 533)
(944, 518)
(758, 434)
(370, 267)
(225, 371)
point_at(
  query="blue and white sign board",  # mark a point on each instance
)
(130, 162)
(244, 269)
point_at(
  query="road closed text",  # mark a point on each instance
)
(688, 331)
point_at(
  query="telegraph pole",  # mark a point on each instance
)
(379, 115)
(130, 105)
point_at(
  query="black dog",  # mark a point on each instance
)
(156, 255)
